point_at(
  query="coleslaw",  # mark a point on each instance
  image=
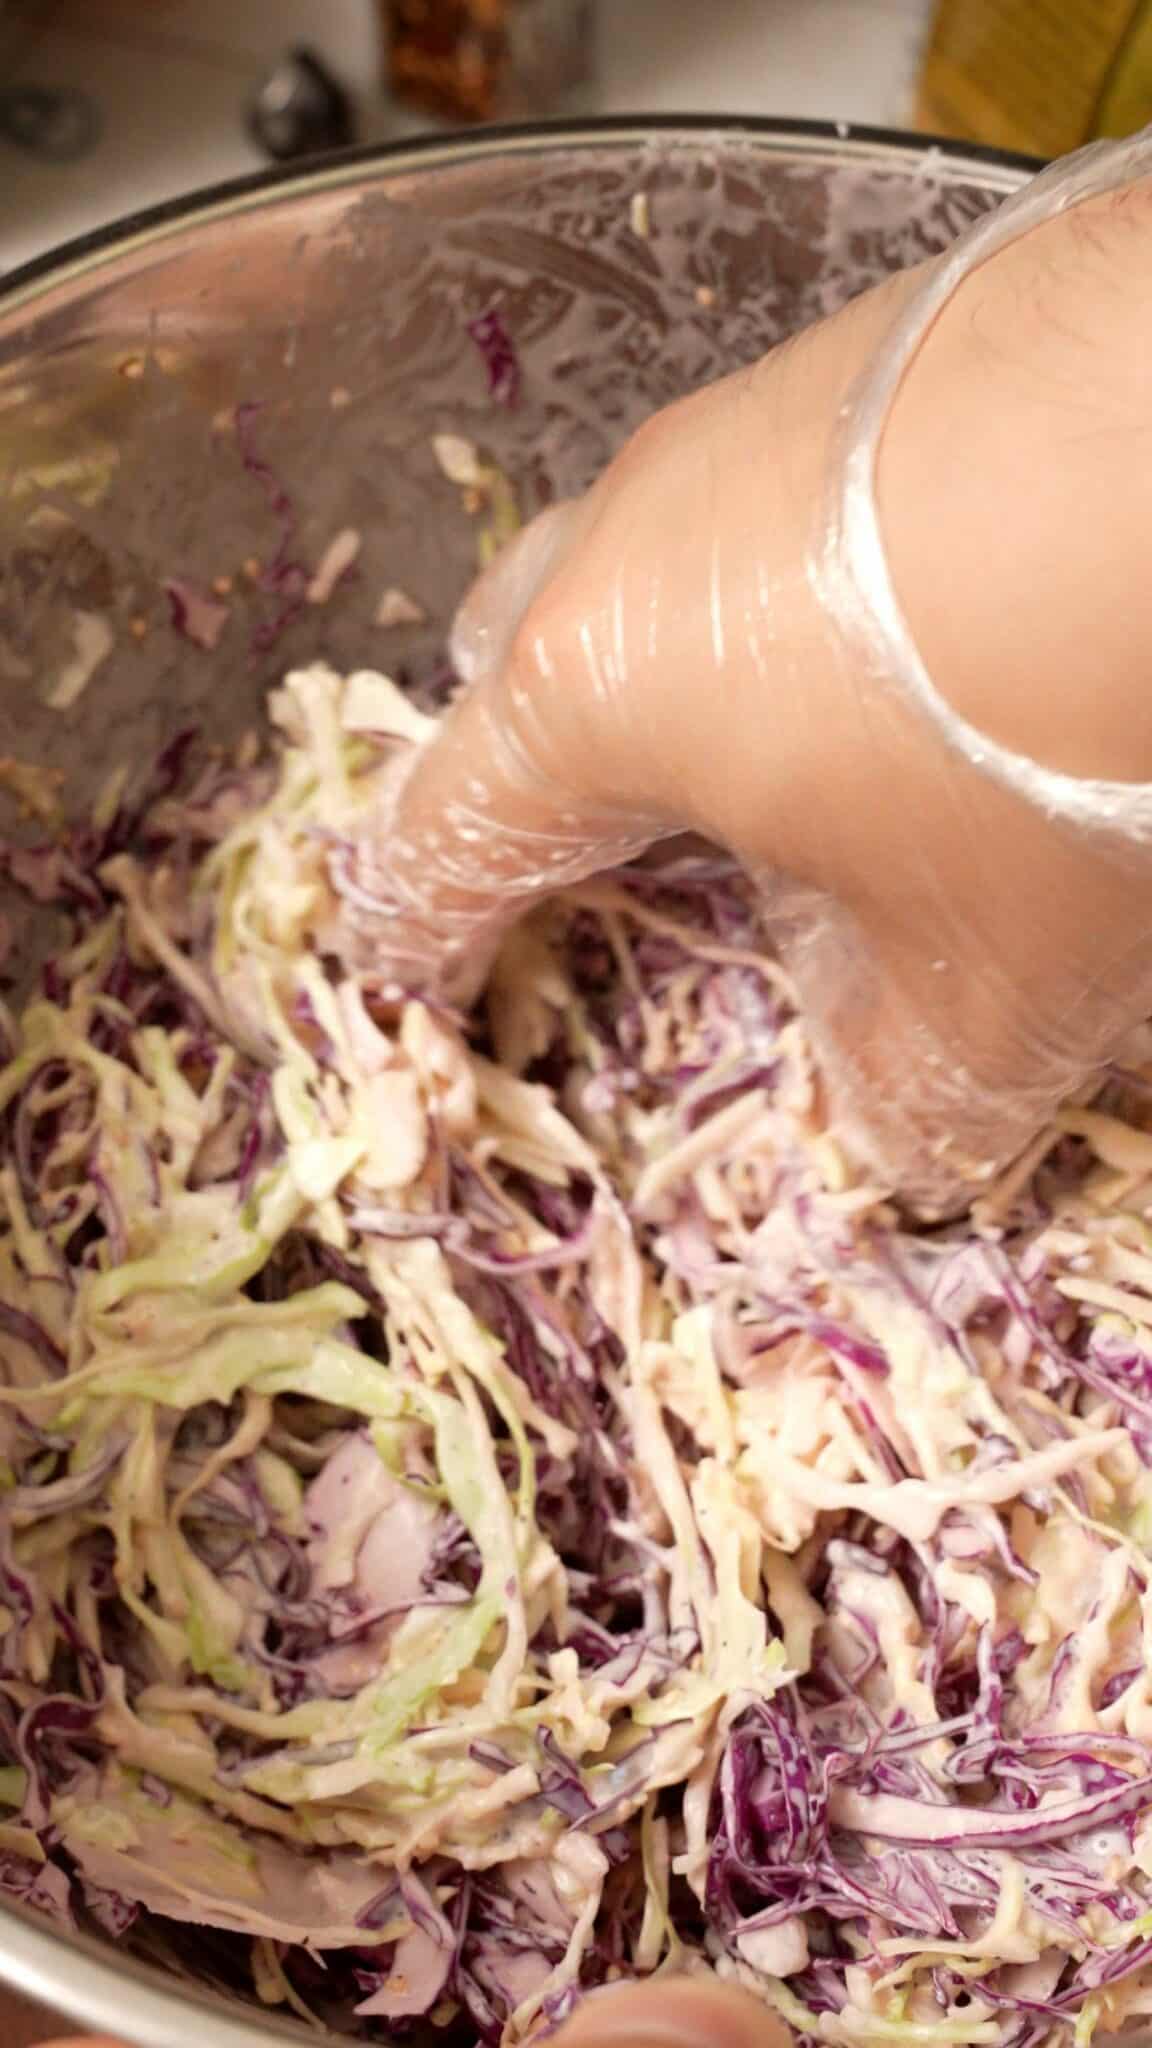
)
(491, 1506)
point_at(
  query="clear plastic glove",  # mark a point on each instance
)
(27, 2026)
(35, 2040)
(671, 2013)
(76, 2041)
(733, 633)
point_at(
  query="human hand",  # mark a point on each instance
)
(712, 640)
(73, 2041)
(671, 2013)
(23, 2025)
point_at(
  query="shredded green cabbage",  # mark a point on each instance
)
(495, 1505)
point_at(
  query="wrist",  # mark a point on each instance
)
(1015, 494)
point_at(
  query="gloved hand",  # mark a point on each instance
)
(78, 2041)
(734, 631)
(27, 2026)
(672, 2013)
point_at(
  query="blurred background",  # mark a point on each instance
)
(109, 105)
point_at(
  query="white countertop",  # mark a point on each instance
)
(171, 78)
(843, 60)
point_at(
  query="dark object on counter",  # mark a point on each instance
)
(300, 110)
(487, 60)
(50, 122)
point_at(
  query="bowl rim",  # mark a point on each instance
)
(444, 149)
(79, 1976)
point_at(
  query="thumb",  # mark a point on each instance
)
(673, 2012)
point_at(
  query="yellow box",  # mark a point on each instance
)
(1037, 75)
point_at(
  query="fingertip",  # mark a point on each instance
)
(673, 2012)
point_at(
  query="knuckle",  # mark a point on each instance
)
(569, 710)
(535, 681)
(656, 439)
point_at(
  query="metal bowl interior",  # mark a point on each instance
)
(213, 392)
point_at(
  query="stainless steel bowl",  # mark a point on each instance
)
(332, 309)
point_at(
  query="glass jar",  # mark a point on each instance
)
(487, 60)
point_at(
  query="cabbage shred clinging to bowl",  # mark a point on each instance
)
(491, 1507)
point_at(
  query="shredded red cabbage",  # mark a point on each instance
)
(500, 356)
(472, 1531)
